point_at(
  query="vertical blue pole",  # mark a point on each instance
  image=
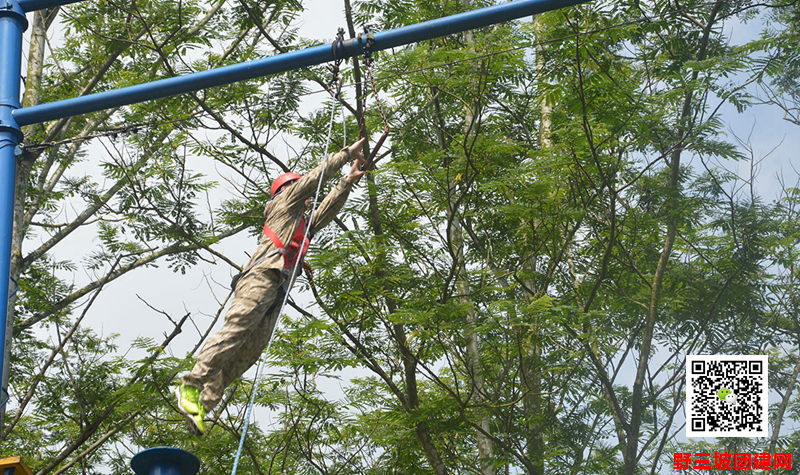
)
(12, 24)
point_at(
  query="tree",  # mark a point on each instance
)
(515, 289)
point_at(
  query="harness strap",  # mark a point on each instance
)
(290, 255)
(294, 251)
(282, 291)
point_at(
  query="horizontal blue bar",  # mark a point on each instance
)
(286, 62)
(33, 5)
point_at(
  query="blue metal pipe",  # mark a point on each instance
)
(33, 5)
(286, 62)
(12, 25)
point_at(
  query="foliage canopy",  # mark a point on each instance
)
(513, 290)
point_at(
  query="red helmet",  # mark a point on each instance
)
(282, 180)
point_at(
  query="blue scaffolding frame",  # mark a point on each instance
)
(13, 23)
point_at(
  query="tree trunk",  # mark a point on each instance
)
(484, 442)
(631, 453)
(474, 370)
(409, 363)
(24, 166)
(532, 402)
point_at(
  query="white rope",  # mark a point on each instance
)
(262, 358)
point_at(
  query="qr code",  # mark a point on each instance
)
(726, 396)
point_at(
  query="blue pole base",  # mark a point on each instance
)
(165, 461)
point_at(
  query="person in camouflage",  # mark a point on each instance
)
(259, 290)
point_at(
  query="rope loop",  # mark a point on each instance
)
(370, 40)
(336, 80)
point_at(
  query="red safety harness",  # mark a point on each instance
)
(299, 242)
(290, 253)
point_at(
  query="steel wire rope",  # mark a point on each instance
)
(134, 127)
(292, 277)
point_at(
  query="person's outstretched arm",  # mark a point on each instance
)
(335, 200)
(305, 187)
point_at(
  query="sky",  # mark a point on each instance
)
(177, 294)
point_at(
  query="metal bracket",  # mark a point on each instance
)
(12, 8)
(8, 124)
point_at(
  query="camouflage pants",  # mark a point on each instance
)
(227, 354)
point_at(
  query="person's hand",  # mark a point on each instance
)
(356, 151)
(356, 172)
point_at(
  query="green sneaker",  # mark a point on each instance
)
(190, 407)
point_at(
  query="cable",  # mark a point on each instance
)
(344, 125)
(16, 288)
(8, 396)
(135, 127)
